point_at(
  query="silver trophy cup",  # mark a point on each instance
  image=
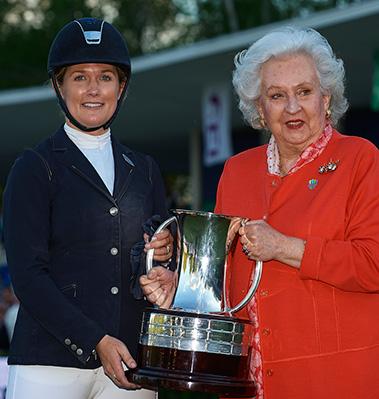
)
(198, 344)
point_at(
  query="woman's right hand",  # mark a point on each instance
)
(159, 286)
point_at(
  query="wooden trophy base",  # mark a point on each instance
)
(182, 370)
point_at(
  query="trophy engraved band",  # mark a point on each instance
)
(197, 344)
(194, 333)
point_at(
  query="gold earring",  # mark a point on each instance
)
(262, 122)
(328, 113)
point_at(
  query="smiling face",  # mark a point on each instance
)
(291, 102)
(90, 92)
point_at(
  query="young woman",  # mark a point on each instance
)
(73, 209)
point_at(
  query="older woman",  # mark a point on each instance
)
(73, 210)
(310, 197)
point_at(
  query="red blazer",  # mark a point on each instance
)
(319, 325)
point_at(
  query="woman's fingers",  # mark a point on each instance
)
(159, 286)
(163, 246)
(232, 231)
(260, 241)
(148, 286)
(113, 353)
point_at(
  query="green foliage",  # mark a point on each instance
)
(375, 88)
(293, 8)
(25, 36)
(145, 22)
(28, 26)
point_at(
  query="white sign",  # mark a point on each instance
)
(216, 125)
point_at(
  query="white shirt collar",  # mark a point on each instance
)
(87, 141)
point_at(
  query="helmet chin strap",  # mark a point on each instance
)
(77, 123)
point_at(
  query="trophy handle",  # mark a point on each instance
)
(150, 252)
(257, 274)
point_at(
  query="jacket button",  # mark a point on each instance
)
(113, 211)
(73, 347)
(67, 341)
(114, 251)
(114, 290)
(266, 332)
(264, 292)
(269, 372)
(79, 352)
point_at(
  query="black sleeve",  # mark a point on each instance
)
(159, 215)
(27, 202)
(159, 191)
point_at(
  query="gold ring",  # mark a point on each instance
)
(168, 248)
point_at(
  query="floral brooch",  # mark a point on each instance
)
(331, 166)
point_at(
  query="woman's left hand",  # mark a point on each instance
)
(162, 244)
(262, 242)
(113, 355)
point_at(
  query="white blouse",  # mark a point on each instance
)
(98, 150)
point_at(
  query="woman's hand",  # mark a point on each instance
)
(262, 242)
(159, 286)
(162, 244)
(234, 226)
(113, 354)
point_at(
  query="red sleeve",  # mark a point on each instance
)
(351, 264)
(220, 191)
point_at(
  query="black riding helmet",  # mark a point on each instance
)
(88, 40)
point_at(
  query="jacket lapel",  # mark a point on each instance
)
(69, 154)
(124, 168)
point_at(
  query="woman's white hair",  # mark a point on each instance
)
(281, 42)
